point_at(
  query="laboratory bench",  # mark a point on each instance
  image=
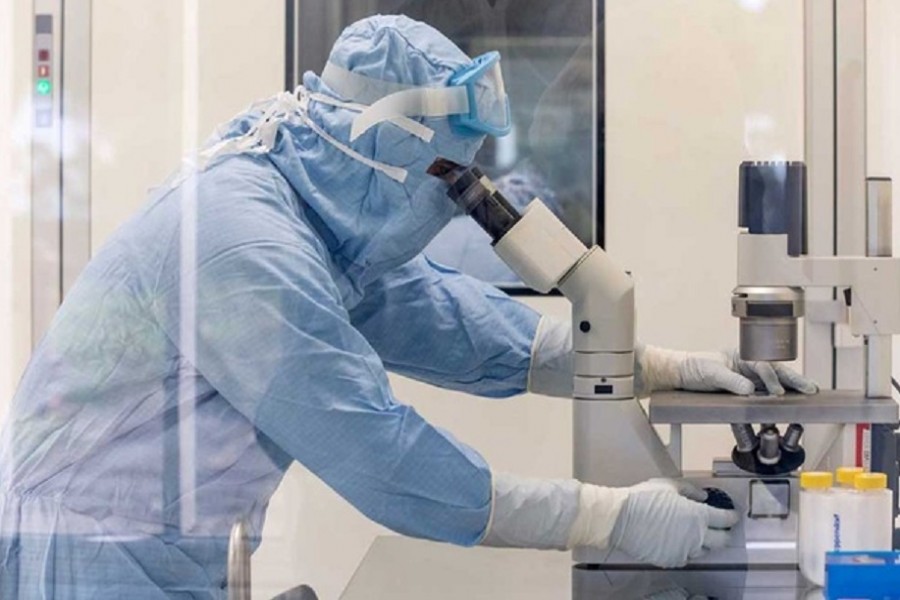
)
(399, 568)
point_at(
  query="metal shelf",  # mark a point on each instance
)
(825, 407)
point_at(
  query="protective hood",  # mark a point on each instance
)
(370, 222)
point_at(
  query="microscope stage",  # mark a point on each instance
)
(828, 406)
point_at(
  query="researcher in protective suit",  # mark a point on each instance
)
(245, 318)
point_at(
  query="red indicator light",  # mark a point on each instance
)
(43, 71)
(43, 55)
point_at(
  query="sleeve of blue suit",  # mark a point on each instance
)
(433, 324)
(273, 338)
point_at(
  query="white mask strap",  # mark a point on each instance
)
(396, 173)
(419, 102)
(426, 134)
(261, 137)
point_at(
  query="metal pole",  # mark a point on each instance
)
(879, 355)
(239, 586)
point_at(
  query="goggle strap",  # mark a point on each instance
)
(359, 88)
(418, 102)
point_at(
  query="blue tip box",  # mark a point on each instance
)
(862, 576)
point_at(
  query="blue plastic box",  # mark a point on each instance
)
(862, 576)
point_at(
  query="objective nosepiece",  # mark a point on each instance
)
(745, 438)
(790, 441)
(769, 452)
(768, 318)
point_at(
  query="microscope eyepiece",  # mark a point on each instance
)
(473, 192)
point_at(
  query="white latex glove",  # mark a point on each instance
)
(659, 369)
(552, 363)
(531, 513)
(662, 522)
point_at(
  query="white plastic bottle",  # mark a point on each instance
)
(844, 529)
(815, 535)
(871, 516)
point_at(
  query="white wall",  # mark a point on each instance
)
(693, 88)
(6, 170)
(136, 106)
(139, 74)
(883, 21)
(15, 165)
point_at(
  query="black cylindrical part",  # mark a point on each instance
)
(773, 201)
(477, 196)
(769, 452)
(744, 437)
(791, 439)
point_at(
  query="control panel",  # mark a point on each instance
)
(44, 96)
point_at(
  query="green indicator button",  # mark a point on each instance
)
(44, 87)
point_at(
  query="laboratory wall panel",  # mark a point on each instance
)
(883, 52)
(15, 167)
(694, 87)
(150, 68)
(136, 115)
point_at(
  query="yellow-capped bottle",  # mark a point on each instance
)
(873, 515)
(815, 531)
(844, 476)
(844, 530)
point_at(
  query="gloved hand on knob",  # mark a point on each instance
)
(662, 522)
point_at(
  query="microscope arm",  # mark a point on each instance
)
(546, 255)
(608, 421)
(875, 282)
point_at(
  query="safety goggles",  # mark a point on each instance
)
(488, 105)
(474, 100)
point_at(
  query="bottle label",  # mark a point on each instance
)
(836, 527)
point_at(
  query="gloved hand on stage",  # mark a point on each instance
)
(658, 369)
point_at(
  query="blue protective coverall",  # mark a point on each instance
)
(244, 318)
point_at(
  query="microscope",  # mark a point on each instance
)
(618, 443)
